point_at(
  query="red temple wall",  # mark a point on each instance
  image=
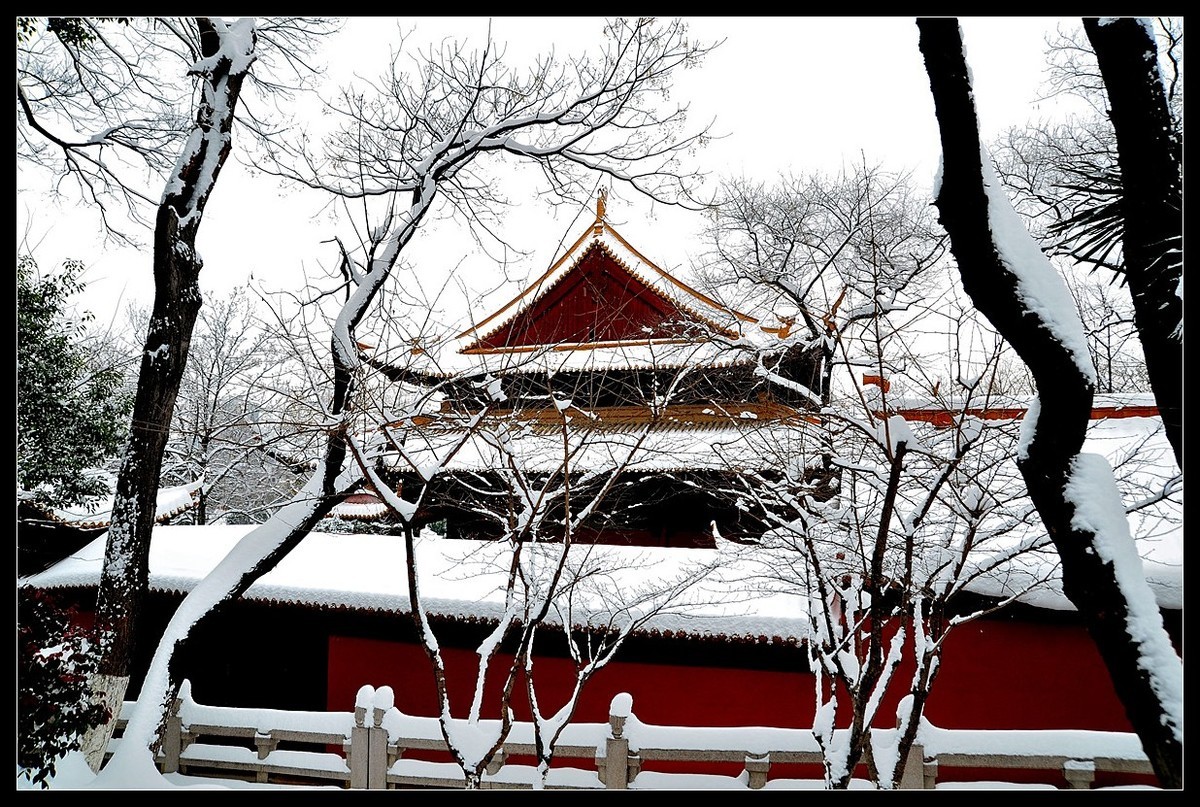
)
(1001, 674)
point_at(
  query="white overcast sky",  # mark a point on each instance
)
(788, 93)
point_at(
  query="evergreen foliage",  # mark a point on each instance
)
(71, 414)
(53, 701)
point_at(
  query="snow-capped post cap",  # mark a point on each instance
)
(182, 699)
(618, 711)
(622, 705)
(362, 701)
(385, 699)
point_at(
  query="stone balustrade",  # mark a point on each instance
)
(365, 749)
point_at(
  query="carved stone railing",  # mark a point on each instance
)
(365, 749)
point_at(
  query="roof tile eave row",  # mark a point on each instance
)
(743, 637)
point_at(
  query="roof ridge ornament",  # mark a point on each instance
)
(601, 211)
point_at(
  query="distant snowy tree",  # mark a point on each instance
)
(826, 256)
(230, 414)
(1108, 321)
(1018, 289)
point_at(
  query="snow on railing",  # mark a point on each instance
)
(364, 749)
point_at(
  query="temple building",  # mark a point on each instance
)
(605, 366)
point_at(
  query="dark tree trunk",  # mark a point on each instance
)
(123, 583)
(1150, 154)
(1064, 393)
(177, 300)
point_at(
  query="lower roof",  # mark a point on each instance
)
(734, 591)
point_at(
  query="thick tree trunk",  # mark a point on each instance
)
(124, 580)
(1150, 155)
(177, 300)
(1064, 394)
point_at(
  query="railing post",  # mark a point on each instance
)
(913, 777)
(619, 767)
(264, 744)
(377, 751)
(358, 755)
(930, 773)
(172, 744)
(614, 773)
(376, 756)
(756, 770)
(1079, 773)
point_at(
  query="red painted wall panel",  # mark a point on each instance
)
(662, 693)
(995, 674)
(1021, 675)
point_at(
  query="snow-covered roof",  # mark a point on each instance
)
(459, 579)
(602, 234)
(463, 580)
(360, 507)
(736, 436)
(171, 502)
(736, 444)
(647, 355)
